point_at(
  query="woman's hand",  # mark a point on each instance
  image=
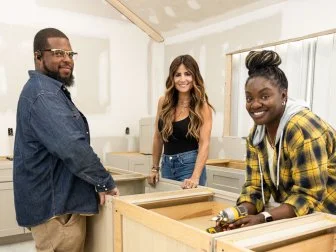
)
(249, 220)
(154, 177)
(190, 183)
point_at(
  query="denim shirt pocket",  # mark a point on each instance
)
(76, 115)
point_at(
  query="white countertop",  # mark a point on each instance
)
(6, 164)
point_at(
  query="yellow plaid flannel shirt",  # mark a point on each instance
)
(307, 167)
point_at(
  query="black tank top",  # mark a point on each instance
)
(178, 141)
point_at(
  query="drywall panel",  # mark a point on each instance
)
(111, 72)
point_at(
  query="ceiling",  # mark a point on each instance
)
(168, 17)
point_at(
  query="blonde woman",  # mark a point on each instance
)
(183, 126)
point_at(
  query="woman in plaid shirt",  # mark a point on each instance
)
(291, 152)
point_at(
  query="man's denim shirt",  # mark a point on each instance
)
(55, 169)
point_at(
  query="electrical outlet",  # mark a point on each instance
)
(127, 130)
(10, 131)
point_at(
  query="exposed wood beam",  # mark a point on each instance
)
(135, 19)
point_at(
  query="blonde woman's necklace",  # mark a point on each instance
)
(184, 103)
(184, 106)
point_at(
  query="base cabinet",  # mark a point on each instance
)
(176, 221)
(100, 227)
(8, 224)
(99, 237)
(167, 221)
(130, 161)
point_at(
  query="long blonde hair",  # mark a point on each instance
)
(198, 98)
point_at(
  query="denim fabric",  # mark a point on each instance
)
(181, 166)
(55, 170)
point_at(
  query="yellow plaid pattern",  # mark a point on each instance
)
(307, 167)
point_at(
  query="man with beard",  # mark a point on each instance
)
(58, 179)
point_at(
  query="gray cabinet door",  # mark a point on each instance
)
(226, 179)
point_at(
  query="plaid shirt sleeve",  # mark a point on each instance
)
(306, 147)
(251, 191)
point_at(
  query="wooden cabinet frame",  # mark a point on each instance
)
(168, 221)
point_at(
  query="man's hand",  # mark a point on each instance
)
(102, 195)
(190, 183)
(154, 178)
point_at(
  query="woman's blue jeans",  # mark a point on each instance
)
(181, 166)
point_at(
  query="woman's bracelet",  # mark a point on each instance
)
(155, 168)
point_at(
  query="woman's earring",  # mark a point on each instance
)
(283, 103)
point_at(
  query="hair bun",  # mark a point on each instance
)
(261, 59)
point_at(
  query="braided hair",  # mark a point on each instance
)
(265, 64)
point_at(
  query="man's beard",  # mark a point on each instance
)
(67, 81)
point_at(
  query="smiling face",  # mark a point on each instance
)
(264, 101)
(59, 68)
(183, 79)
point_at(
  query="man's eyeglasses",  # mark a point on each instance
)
(61, 53)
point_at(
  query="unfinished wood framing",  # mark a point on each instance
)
(145, 224)
(190, 211)
(312, 35)
(99, 235)
(117, 232)
(227, 92)
(154, 223)
(169, 221)
(315, 232)
(167, 197)
(101, 225)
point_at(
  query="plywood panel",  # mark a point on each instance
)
(299, 232)
(137, 237)
(191, 211)
(323, 243)
(182, 234)
(100, 227)
(168, 196)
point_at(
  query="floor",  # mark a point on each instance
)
(27, 246)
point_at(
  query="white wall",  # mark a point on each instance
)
(121, 83)
(209, 45)
(113, 73)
